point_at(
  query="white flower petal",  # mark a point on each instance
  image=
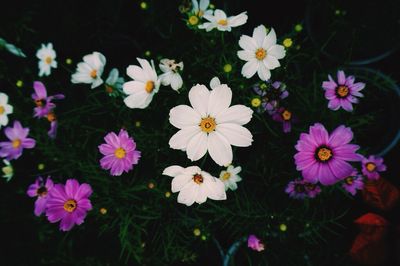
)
(238, 20)
(214, 82)
(180, 181)
(148, 70)
(204, 4)
(197, 146)
(269, 40)
(263, 72)
(277, 51)
(271, 62)
(165, 78)
(246, 55)
(176, 81)
(180, 139)
(130, 87)
(250, 68)
(237, 114)
(219, 100)
(3, 98)
(137, 73)
(182, 116)
(97, 82)
(247, 43)
(202, 194)
(173, 170)
(198, 97)
(215, 187)
(219, 148)
(235, 134)
(140, 99)
(259, 34)
(187, 194)
(219, 14)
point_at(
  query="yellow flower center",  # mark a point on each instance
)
(1, 110)
(208, 124)
(310, 186)
(222, 22)
(198, 179)
(226, 176)
(261, 54)
(324, 154)
(120, 153)
(48, 60)
(149, 86)
(342, 91)
(286, 115)
(193, 20)
(255, 102)
(16, 143)
(93, 74)
(51, 117)
(70, 205)
(370, 167)
(349, 180)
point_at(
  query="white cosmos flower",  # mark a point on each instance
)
(90, 70)
(171, 74)
(144, 85)
(261, 53)
(200, 9)
(47, 56)
(210, 124)
(5, 109)
(230, 177)
(114, 80)
(194, 185)
(220, 21)
(8, 170)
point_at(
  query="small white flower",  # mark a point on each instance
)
(230, 177)
(47, 57)
(215, 82)
(90, 70)
(144, 85)
(5, 109)
(8, 170)
(194, 185)
(210, 124)
(261, 53)
(171, 74)
(114, 80)
(200, 9)
(220, 21)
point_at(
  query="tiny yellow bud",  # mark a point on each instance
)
(147, 53)
(68, 61)
(167, 194)
(227, 68)
(287, 42)
(103, 211)
(40, 166)
(255, 102)
(196, 232)
(138, 124)
(283, 227)
(298, 27)
(203, 237)
(143, 5)
(337, 12)
(212, 6)
(193, 20)
(151, 185)
(19, 83)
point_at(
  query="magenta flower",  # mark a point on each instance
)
(371, 167)
(51, 117)
(69, 203)
(353, 183)
(43, 102)
(296, 189)
(40, 189)
(284, 116)
(343, 93)
(119, 152)
(323, 157)
(254, 243)
(18, 141)
(312, 190)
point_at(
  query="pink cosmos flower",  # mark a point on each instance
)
(18, 141)
(40, 189)
(68, 204)
(323, 157)
(43, 102)
(284, 116)
(254, 243)
(119, 152)
(353, 183)
(343, 93)
(300, 189)
(371, 167)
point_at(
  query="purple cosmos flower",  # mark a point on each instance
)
(353, 182)
(323, 157)
(51, 117)
(254, 243)
(18, 141)
(371, 167)
(271, 93)
(42, 101)
(284, 116)
(69, 203)
(343, 93)
(119, 152)
(40, 189)
(312, 190)
(296, 189)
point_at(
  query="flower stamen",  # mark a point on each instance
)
(342, 91)
(1, 110)
(323, 154)
(16, 143)
(370, 167)
(149, 86)
(48, 60)
(286, 115)
(226, 176)
(120, 153)
(198, 179)
(208, 124)
(70, 205)
(93, 74)
(222, 22)
(261, 53)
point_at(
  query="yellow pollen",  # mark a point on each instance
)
(261, 54)
(149, 86)
(222, 22)
(370, 167)
(286, 115)
(1, 110)
(120, 153)
(48, 60)
(342, 91)
(93, 74)
(198, 179)
(70, 205)
(208, 124)
(193, 20)
(51, 117)
(324, 154)
(226, 176)
(349, 180)
(16, 143)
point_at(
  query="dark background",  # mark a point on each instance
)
(366, 31)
